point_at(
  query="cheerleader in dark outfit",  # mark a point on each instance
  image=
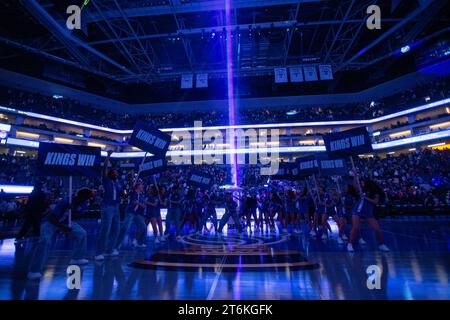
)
(370, 197)
(230, 211)
(211, 200)
(198, 212)
(319, 211)
(188, 208)
(154, 213)
(329, 211)
(339, 216)
(303, 207)
(250, 210)
(348, 202)
(291, 209)
(275, 206)
(262, 210)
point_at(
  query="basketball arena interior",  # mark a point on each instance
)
(224, 150)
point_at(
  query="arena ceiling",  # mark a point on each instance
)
(150, 41)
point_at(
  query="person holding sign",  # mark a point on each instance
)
(370, 196)
(110, 214)
(134, 212)
(58, 220)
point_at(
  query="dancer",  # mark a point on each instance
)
(274, 208)
(348, 202)
(230, 211)
(250, 206)
(212, 199)
(370, 196)
(283, 216)
(291, 209)
(263, 209)
(187, 214)
(155, 201)
(174, 210)
(319, 205)
(197, 213)
(304, 202)
(38, 205)
(339, 215)
(328, 212)
(58, 220)
(110, 214)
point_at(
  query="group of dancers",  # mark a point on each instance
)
(294, 211)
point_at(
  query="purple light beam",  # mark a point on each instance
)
(231, 101)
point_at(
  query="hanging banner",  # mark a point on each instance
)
(68, 160)
(351, 142)
(152, 165)
(187, 81)
(150, 139)
(202, 80)
(326, 72)
(280, 75)
(296, 74)
(310, 73)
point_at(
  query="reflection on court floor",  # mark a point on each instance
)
(417, 268)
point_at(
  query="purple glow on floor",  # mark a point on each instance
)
(231, 102)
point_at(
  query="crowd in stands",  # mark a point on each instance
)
(72, 109)
(421, 177)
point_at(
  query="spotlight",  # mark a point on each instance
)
(405, 49)
(57, 96)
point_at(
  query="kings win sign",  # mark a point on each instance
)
(150, 139)
(68, 160)
(347, 143)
